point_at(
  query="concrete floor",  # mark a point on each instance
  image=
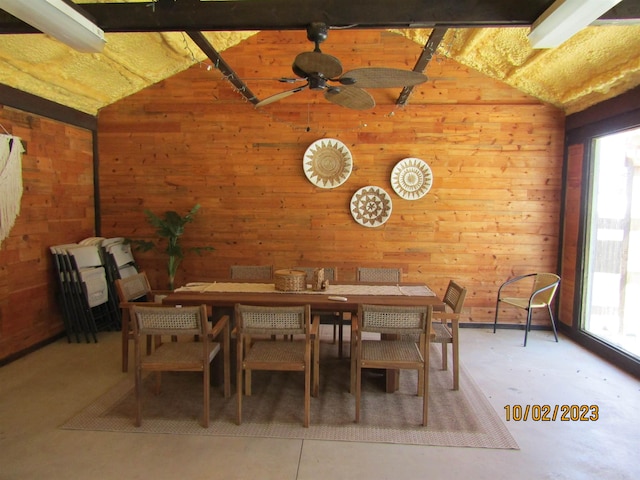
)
(42, 390)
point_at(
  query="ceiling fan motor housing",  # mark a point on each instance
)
(317, 32)
(317, 82)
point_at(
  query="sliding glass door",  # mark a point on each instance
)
(611, 308)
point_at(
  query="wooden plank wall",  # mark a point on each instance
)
(496, 156)
(571, 230)
(57, 207)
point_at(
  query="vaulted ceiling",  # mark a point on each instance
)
(148, 41)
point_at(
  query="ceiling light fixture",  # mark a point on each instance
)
(61, 20)
(565, 18)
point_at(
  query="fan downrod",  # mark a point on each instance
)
(317, 32)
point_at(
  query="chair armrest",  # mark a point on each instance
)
(445, 315)
(513, 280)
(220, 325)
(354, 327)
(315, 326)
(154, 294)
(128, 305)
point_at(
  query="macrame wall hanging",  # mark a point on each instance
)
(10, 182)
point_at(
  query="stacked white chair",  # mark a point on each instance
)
(86, 288)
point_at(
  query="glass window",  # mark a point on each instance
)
(611, 309)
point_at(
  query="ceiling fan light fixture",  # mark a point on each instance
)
(59, 19)
(565, 18)
(317, 82)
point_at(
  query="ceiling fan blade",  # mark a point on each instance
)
(317, 62)
(291, 80)
(280, 96)
(381, 77)
(350, 97)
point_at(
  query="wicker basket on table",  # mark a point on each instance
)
(290, 280)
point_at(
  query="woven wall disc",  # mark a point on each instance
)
(327, 163)
(371, 206)
(411, 178)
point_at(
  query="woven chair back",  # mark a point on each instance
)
(393, 319)
(262, 320)
(133, 287)
(166, 320)
(252, 272)
(545, 280)
(386, 275)
(454, 296)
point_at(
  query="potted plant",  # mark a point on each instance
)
(170, 227)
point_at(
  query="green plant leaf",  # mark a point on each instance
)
(142, 245)
(171, 227)
(199, 250)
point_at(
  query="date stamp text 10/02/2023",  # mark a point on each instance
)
(552, 413)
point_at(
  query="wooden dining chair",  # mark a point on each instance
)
(257, 329)
(134, 289)
(335, 318)
(540, 296)
(252, 272)
(395, 349)
(449, 334)
(186, 354)
(379, 275)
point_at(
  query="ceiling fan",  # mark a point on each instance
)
(324, 72)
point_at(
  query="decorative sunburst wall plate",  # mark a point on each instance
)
(371, 206)
(411, 178)
(327, 163)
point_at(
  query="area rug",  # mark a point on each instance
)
(462, 418)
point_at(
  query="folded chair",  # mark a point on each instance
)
(186, 354)
(379, 275)
(71, 308)
(542, 293)
(396, 349)
(88, 287)
(445, 333)
(258, 349)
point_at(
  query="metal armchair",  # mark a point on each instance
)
(542, 293)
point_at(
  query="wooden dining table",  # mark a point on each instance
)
(225, 294)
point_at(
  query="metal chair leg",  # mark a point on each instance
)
(553, 322)
(527, 327)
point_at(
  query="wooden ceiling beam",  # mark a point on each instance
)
(429, 50)
(196, 15)
(219, 63)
